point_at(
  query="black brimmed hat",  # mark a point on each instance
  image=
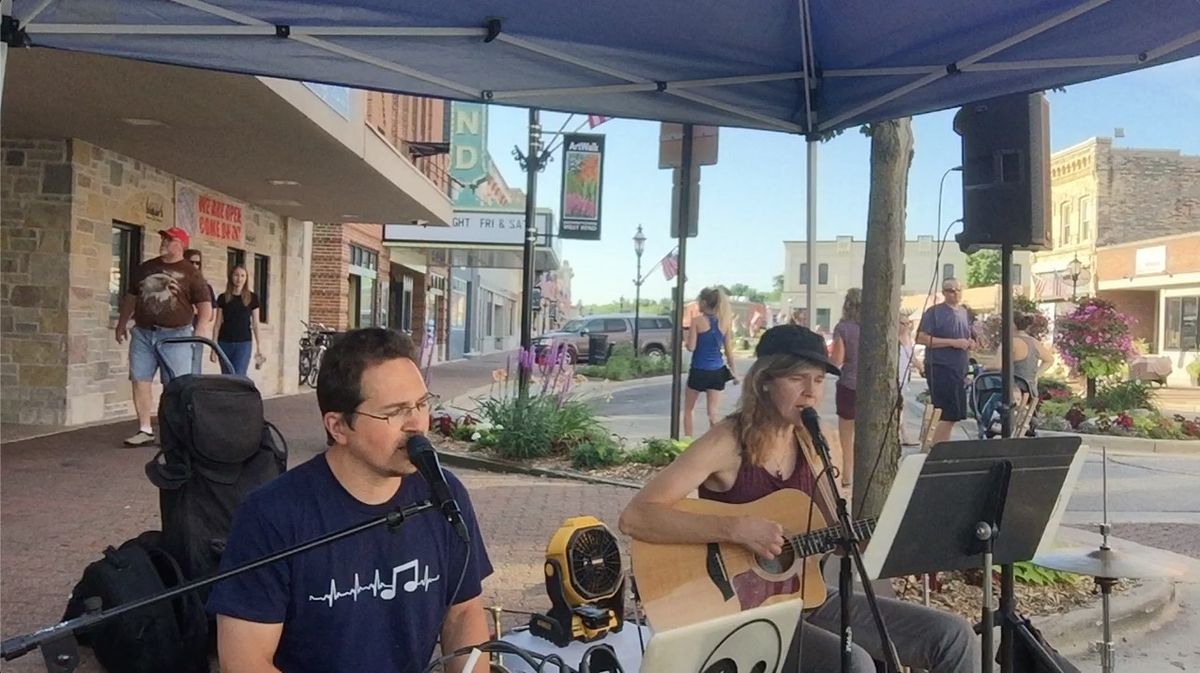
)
(797, 341)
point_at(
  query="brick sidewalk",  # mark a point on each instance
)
(65, 497)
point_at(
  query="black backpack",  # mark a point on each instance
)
(166, 636)
(216, 449)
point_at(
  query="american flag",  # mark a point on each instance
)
(670, 265)
(596, 120)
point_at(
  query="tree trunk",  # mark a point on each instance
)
(877, 441)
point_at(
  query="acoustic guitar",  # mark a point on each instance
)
(681, 584)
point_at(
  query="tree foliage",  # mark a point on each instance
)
(983, 268)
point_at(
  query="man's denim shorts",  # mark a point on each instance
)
(142, 360)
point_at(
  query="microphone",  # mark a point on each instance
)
(812, 422)
(423, 455)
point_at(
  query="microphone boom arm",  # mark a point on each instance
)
(57, 642)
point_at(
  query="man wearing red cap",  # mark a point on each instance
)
(162, 297)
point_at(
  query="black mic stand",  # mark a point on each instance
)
(57, 643)
(850, 551)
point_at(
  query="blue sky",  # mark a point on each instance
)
(753, 199)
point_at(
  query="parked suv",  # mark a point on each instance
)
(654, 335)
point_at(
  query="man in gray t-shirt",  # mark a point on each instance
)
(945, 332)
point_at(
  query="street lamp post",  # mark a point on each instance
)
(1074, 269)
(639, 246)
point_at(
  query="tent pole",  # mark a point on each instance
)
(3, 69)
(533, 163)
(683, 226)
(811, 203)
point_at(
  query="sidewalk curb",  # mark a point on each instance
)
(1134, 612)
(1131, 444)
(466, 460)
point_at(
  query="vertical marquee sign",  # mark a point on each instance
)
(583, 166)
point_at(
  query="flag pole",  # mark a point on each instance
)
(657, 264)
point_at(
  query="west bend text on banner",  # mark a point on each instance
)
(583, 166)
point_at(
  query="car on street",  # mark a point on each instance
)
(654, 334)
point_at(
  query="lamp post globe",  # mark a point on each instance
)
(639, 246)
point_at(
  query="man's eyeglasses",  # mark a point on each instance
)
(407, 411)
(949, 290)
(195, 263)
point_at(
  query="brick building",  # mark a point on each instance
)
(1131, 217)
(86, 186)
(359, 282)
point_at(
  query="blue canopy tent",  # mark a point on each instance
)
(795, 66)
(788, 65)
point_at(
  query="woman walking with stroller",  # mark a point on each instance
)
(710, 333)
(237, 321)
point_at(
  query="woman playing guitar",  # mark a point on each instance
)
(751, 469)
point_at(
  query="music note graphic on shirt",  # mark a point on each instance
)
(378, 588)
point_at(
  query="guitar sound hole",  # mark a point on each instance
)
(779, 564)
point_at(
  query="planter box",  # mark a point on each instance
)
(1135, 444)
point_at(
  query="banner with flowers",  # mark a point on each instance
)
(583, 165)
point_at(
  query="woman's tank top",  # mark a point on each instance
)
(754, 482)
(707, 356)
(1027, 367)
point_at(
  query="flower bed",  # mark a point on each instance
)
(623, 366)
(1124, 409)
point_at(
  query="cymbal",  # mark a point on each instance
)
(1114, 564)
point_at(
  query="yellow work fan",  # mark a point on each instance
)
(584, 582)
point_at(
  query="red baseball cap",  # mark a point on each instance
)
(179, 234)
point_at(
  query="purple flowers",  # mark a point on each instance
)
(1094, 340)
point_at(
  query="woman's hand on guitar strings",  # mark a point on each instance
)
(761, 536)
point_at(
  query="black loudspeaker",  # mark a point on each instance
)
(1006, 173)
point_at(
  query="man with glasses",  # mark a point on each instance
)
(196, 259)
(376, 601)
(945, 331)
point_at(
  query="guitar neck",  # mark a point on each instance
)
(826, 539)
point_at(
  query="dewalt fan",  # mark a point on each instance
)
(585, 584)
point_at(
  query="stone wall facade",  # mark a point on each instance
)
(61, 203)
(38, 177)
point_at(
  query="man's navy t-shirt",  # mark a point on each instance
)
(947, 322)
(369, 602)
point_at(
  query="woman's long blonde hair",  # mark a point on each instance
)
(714, 300)
(756, 421)
(229, 287)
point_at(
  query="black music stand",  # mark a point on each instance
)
(972, 504)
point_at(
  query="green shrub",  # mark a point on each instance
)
(598, 450)
(538, 427)
(1125, 396)
(659, 452)
(463, 432)
(1053, 389)
(1027, 572)
(623, 366)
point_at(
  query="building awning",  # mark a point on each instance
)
(485, 239)
(278, 144)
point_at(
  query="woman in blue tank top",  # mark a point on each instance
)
(709, 334)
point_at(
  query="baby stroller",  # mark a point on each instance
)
(984, 395)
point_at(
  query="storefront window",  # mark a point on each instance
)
(1180, 324)
(126, 255)
(363, 265)
(262, 285)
